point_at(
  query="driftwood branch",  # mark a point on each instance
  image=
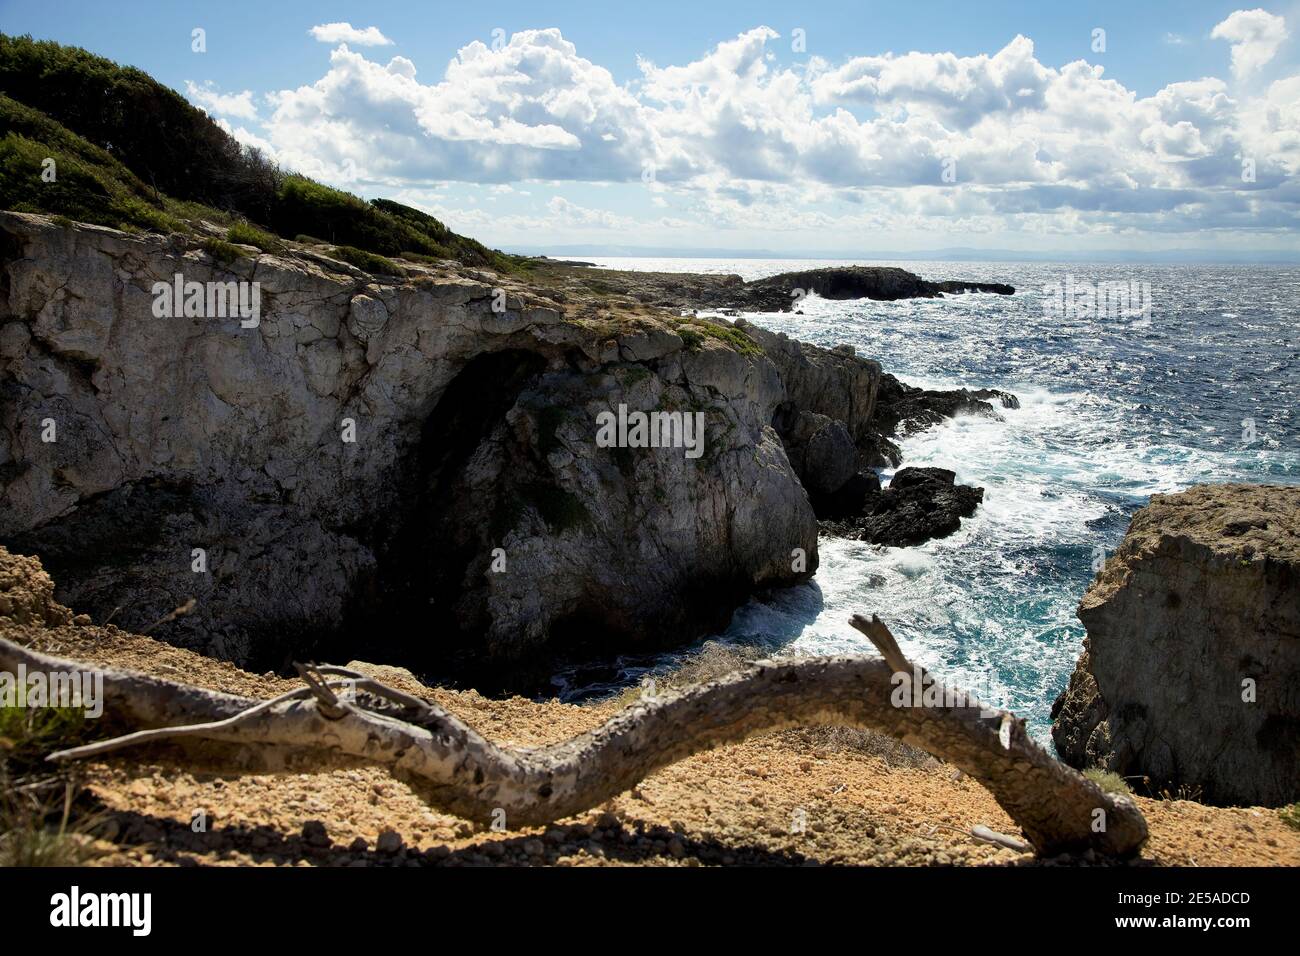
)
(458, 771)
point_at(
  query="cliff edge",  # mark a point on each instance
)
(1190, 676)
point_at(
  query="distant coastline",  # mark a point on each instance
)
(1189, 257)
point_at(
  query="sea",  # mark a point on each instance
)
(1196, 381)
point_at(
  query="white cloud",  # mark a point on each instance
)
(238, 105)
(347, 33)
(1255, 36)
(743, 142)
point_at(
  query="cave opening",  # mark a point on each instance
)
(450, 498)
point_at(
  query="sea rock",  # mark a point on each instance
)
(919, 505)
(850, 500)
(903, 409)
(820, 449)
(1190, 676)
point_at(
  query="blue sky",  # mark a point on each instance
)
(882, 127)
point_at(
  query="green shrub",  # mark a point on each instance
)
(1108, 781)
(1290, 815)
(224, 252)
(367, 261)
(89, 185)
(246, 235)
(150, 128)
(695, 331)
(114, 129)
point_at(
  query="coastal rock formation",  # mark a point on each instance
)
(904, 409)
(403, 467)
(349, 466)
(779, 293)
(1190, 676)
(919, 505)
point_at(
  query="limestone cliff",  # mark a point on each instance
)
(1191, 670)
(129, 441)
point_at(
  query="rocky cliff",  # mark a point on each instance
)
(358, 455)
(410, 464)
(1190, 675)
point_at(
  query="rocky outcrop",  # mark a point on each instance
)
(347, 467)
(1190, 676)
(919, 505)
(783, 292)
(779, 293)
(406, 466)
(904, 409)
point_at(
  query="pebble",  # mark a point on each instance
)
(315, 834)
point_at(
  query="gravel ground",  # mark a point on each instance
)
(860, 800)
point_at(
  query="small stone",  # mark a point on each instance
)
(315, 834)
(389, 842)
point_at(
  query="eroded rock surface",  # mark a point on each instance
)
(400, 467)
(153, 460)
(1191, 670)
(919, 505)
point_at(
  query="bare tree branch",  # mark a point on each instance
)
(458, 771)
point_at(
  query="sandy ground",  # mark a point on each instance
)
(736, 805)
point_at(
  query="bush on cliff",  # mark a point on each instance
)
(133, 152)
(88, 184)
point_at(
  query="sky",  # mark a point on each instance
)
(801, 128)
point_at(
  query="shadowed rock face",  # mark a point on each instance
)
(919, 505)
(1190, 674)
(393, 467)
(196, 458)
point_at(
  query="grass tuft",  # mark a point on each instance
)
(224, 252)
(246, 235)
(1108, 781)
(367, 261)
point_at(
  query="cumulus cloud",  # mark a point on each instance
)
(959, 90)
(1255, 36)
(740, 140)
(238, 105)
(347, 33)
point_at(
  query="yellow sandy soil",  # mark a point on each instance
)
(736, 805)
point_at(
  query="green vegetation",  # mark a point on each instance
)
(222, 251)
(27, 734)
(88, 184)
(246, 235)
(1290, 815)
(1108, 781)
(694, 331)
(367, 261)
(37, 822)
(129, 152)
